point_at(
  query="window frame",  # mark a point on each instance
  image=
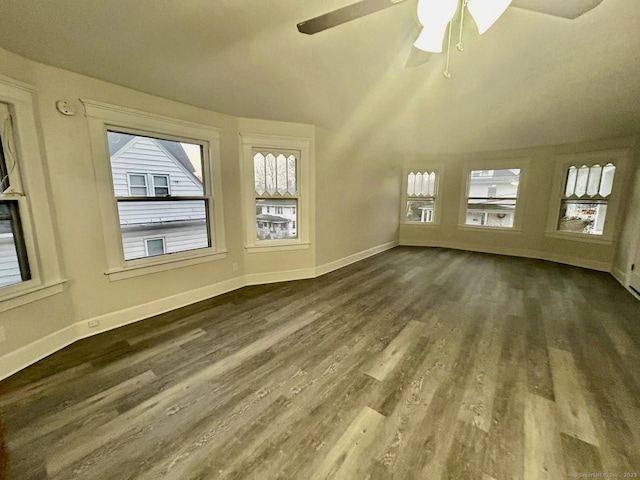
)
(29, 187)
(619, 158)
(429, 167)
(252, 143)
(495, 164)
(102, 117)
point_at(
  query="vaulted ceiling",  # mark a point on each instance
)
(532, 79)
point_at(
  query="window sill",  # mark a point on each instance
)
(483, 228)
(420, 224)
(19, 297)
(580, 237)
(131, 271)
(271, 247)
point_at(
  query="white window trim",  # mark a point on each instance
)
(620, 158)
(251, 142)
(495, 164)
(129, 186)
(38, 229)
(439, 169)
(102, 117)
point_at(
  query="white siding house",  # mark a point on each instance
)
(276, 219)
(492, 197)
(159, 170)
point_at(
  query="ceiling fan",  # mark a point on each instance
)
(436, 15)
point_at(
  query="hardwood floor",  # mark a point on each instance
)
(414, 364)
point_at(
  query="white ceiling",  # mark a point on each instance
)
(530, 80)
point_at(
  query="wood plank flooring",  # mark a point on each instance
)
(417, 363)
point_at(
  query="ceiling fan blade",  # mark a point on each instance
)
(345, 14)
(567, 8)
(417, 57)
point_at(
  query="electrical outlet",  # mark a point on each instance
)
(235, 267)
(3, 334)
(93, 323)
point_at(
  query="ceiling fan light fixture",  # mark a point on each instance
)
(434, 15)
(486, 12)
(430, 39)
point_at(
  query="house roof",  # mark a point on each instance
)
(118, 140)
(271, 218)
(531, 80)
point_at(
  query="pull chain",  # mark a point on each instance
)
(446, 70)
(464, 6)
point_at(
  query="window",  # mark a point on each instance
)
(583, 208)
(154, 246)
(29, 264)
(145, 207)
(421, 197)
(492, 197)
(139, 185)
(276, 192)
(14, 263)
(275, 176)
(160, 212)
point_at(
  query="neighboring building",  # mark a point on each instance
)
(150, 167)
(276, 219)
(492, 197)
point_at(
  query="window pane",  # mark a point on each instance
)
(292, 175)
(276, 218)
(411, 184)
(570, 188)
(182, 223)
(431, 188)
(154, 158)
(583, 217)
(160, 181)
(581, 182)
(14, 267)
(138, 180)
(270, 166)
(606, 185)
(259, 175)
(594, 180)
(281, 174)
(420, 211)
(491, 213)
(155, 247)
(4, 171)
(505, 181)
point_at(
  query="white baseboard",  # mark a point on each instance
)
(356, 257)
(520, 252)
(620, 275)
(274, 277)
(134, 314)
(16, 360)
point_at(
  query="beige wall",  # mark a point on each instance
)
(533, 205)
(629, 244)
(357, 196)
